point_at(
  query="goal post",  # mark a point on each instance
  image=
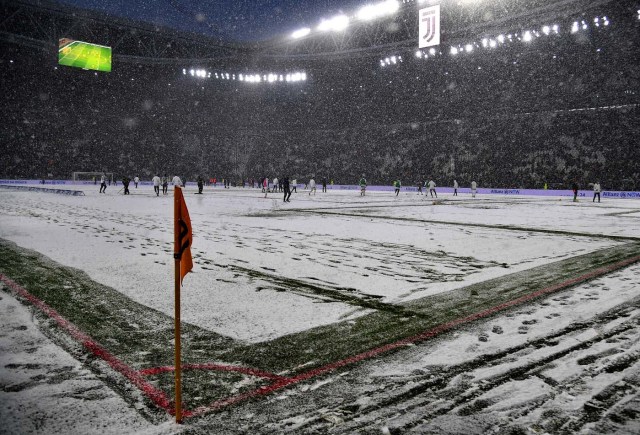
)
(86, 177)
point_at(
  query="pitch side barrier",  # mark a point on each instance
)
(489, 191)
(42, 189)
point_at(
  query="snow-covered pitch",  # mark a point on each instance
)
(265, 270)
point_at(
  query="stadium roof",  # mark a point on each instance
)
(229, 20)
(155, 32)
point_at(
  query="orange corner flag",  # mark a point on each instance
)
(183, 235)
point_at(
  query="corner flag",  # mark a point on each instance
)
(183, 265)
(183, 235)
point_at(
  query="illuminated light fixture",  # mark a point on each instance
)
(432, 51)
(371, 12)
(240, 77)
(468, 48)
(304, 76)
(209, 75)
(301, 33)
(546, 30)
(281, 78)
(184, 71)
(575, 27)
(485, 42)
(492, 43)
(584, 25)
(501, 39)
(382, 63)
(393, 60)
(556, 28)
(606, 21)
(527, 36)
(454, 51)
(418, 54)
(192, 72)
(335, 24)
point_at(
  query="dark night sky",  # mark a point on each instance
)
(241, 20)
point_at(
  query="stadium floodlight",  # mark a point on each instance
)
(240, 77)
(454, 51)
(492, 43)
(468, 48)
(527, 36)
(606, 21)
(371, 12)
(382, 64)
(546, 30)
(501, 39)
(184, 71)
(301, 33)
(575, 27)
(485, 42)
(556, 28)
(304, 76)
(432, 51)
(192, 72)
(393, 60)
(335, 24)
(584, 25)
(418, 54)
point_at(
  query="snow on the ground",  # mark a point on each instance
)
(126, 242)
(43, 389)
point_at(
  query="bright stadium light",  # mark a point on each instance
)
(301, 33)
(606, 21)
(184, 71)
(371, 12)
(575, 27)
(432, 51)
(335, 24)
(492, 43)
(501, 39)
(485, 42)
(192, 72)
(546, 30)
(556, 28)
(454, 51)
(527, 36)
(468, 48)
(584, 25)
(418, 54)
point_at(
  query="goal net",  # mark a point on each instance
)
(90, 177)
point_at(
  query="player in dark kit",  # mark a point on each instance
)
(165, 184)
(125, 184)
(200, 185)
(287, 189)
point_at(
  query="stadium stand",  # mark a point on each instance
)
(561, 108)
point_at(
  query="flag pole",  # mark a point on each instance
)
(177, 363)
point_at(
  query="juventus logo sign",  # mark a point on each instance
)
(429, 27)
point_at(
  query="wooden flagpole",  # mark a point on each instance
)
(176, 250)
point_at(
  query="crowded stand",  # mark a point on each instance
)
(561, 108)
